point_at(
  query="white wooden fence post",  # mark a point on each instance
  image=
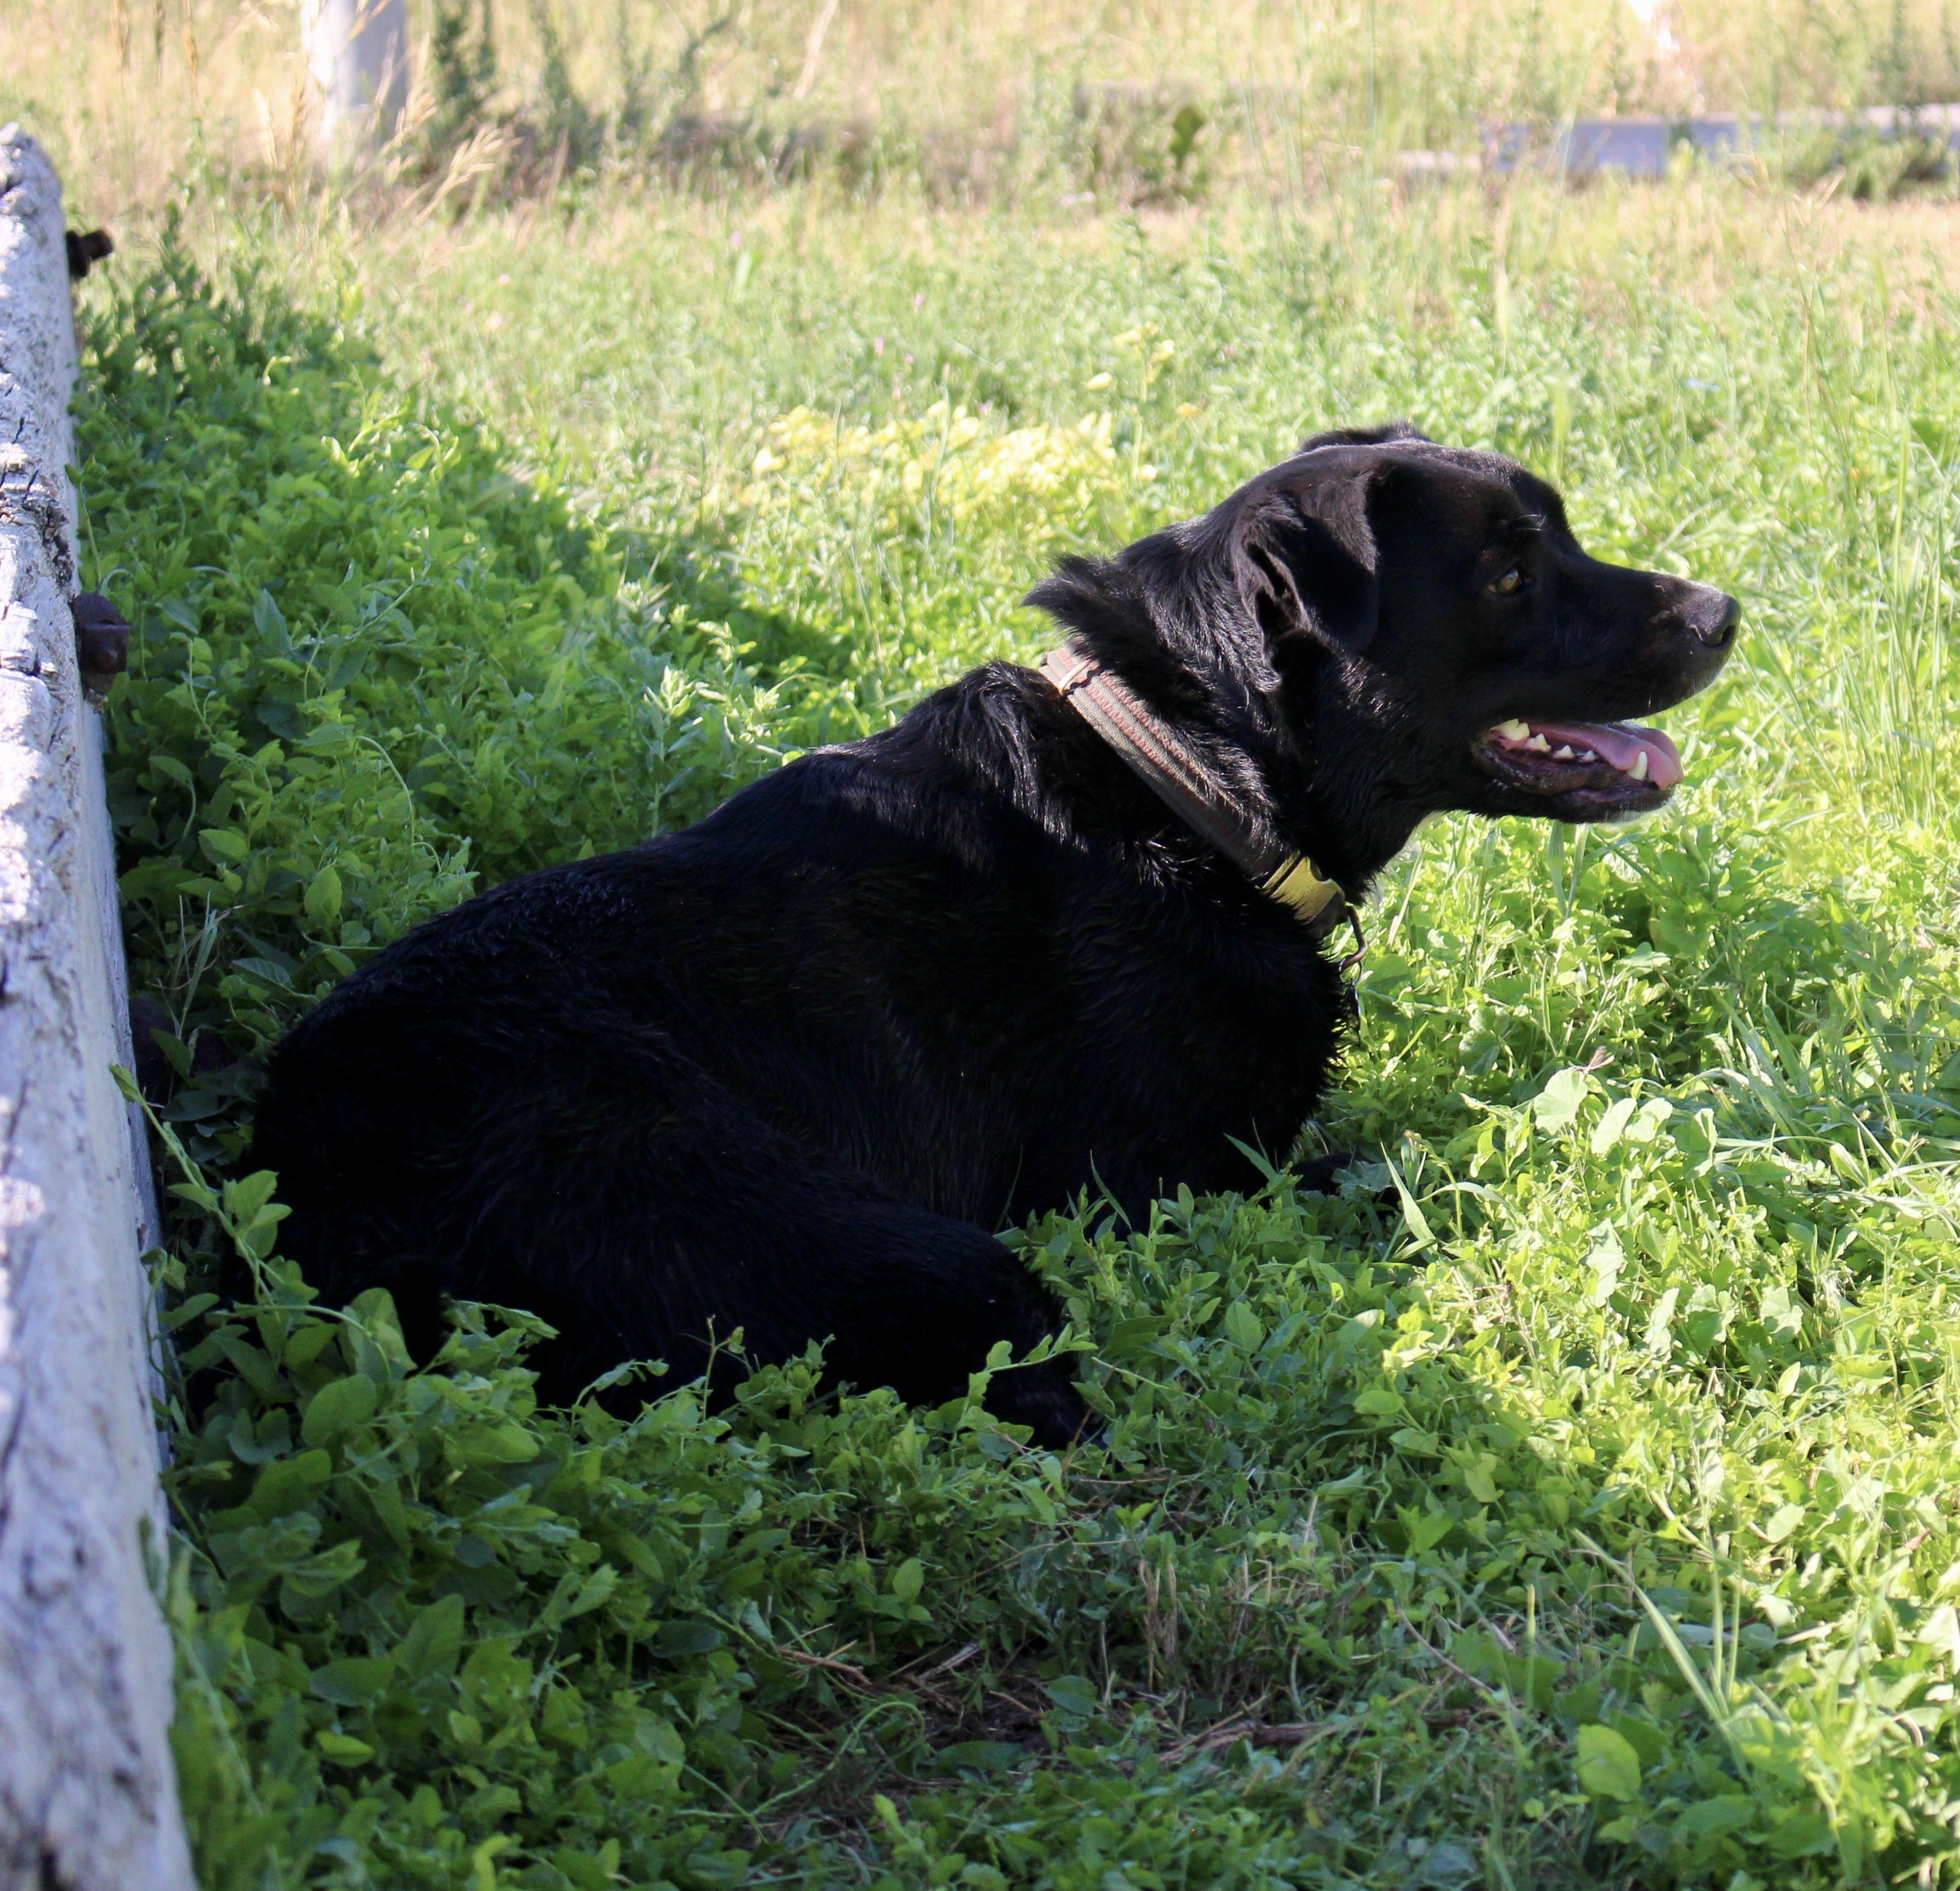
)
(87, 1792)
(358, 52)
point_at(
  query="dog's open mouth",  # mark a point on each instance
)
(1604, 766)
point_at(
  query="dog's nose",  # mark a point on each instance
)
(1717, 629)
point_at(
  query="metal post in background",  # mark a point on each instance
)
(357, 53)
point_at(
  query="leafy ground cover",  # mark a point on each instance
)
(1568, 1502)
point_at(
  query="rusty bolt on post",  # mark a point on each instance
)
(101, 643)
(86, 249)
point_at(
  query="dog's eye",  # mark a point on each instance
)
(1512, 581)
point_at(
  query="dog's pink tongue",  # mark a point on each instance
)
(1620, 743)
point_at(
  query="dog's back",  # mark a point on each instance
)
(780, 1071)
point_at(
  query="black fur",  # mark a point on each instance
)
(781, 1071)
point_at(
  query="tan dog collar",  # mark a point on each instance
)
(1180, 780)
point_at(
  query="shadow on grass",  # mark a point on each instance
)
(374, 667)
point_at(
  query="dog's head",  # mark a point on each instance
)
(1391, 628)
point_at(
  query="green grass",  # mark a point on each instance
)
(1568, 1501)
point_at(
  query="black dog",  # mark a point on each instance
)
(780, 1072)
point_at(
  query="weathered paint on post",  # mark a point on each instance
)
(88, 1794)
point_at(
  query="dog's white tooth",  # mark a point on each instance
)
(1587, 755)
(1512, 731)
(1562, 752)
(1539, 744)
(1638, 770)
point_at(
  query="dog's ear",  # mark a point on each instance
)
(1307, 559)
(1386, 434)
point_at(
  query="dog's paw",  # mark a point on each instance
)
(1046, 1401)
(1322, 1175)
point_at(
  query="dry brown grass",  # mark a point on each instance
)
(131, 93)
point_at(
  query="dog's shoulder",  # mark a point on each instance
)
(972, 752)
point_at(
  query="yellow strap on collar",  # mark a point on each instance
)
(1296, 882)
